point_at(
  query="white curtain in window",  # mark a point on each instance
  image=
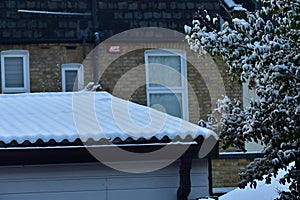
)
(164, 71)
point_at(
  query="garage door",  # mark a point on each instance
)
(96, 182)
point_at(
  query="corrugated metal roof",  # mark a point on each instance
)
(58, 117)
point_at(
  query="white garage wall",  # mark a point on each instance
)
(97, 182)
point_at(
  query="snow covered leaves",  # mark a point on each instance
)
(261, 50)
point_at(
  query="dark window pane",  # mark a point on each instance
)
(71, 82)
(14, 74)
(169, 103)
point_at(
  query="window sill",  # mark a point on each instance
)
(238, 155)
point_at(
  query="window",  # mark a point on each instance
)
(247, 95)
(15, 71)
(72, 77)
(166, 82)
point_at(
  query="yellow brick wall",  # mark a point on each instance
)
(225, 172)
(45, 61)
(206, 76)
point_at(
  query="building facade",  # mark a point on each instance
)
(46, 46)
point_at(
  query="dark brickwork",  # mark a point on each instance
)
(107, 17)
(21, 27)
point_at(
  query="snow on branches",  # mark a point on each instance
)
(261, 49)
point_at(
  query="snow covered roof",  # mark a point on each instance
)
(33, 117)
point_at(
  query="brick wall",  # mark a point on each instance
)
(225, 172)
(113, 81)
(45, 62)
(107, 17)
(116, 16)
(205, 75)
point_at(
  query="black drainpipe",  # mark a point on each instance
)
(97, 41)
(94, 15)
(185, 176)
(210, 177)
(95, 59)
(84, 46)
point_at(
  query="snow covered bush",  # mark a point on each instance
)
(261, 49)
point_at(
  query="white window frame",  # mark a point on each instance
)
(24, 54)
(71, 67)
(182, 90)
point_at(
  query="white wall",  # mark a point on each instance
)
(95, 181)
(247, 96)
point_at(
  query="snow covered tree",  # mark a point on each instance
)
(262, 50)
